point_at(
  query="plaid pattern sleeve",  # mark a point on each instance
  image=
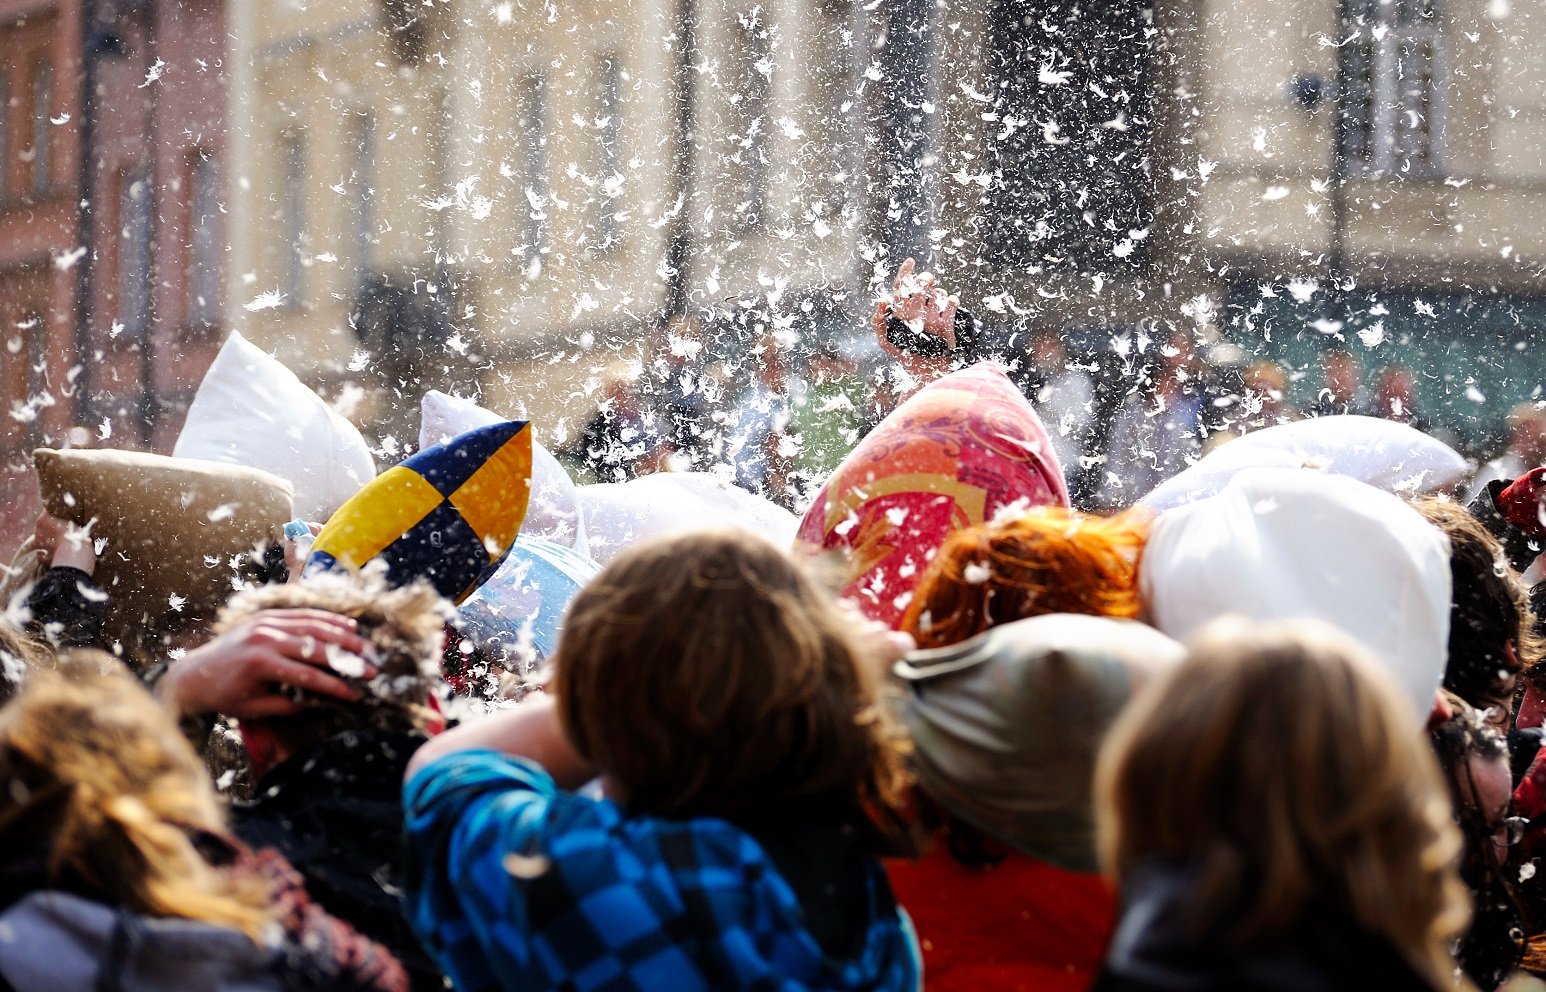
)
(515, 884)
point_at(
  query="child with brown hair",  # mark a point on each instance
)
(751, 780)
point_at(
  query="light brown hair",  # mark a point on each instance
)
(708, 675)
(1046, 560)
(405, 626)
(103, 787)
(1278, 761)
(20, 656)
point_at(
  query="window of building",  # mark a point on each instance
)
(205, 247)
(292, 218)
(751, 96)
(1394, 64)
(135, 211)
(362, 199)
(42, 129)
(39, 395)
(531, 125)
(835, 82)
(609, 147)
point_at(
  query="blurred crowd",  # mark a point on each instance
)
(781, 417)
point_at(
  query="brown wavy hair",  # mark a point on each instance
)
(709, 676)
(1280, 764)
(1047, 560)
(107, 794)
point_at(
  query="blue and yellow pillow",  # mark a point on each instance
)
(449, 514)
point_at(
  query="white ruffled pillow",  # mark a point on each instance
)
(251, 410)
(1286, 544)
(1388, 455)
(619, 515)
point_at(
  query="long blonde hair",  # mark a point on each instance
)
(1280, 764)
(99, 785)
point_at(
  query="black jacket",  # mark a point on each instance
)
(336, 813)
(1153, 949)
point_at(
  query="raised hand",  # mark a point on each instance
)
(255, 670)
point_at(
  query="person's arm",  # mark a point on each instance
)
(66, 604)
(918, 300)
(528, 730)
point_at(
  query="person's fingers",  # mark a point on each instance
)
(276, 668)
(311, 633)
(903, 271)
(878, 320)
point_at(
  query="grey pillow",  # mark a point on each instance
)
(1007, 725)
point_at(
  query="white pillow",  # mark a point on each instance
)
(553, 512)
(621, 514)
(1391, 456)
(251, 410)
(1285, 544)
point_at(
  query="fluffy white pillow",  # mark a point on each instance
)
(553, 512)
(251, 410)
(1286, 544)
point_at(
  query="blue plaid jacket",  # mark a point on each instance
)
(515, 884)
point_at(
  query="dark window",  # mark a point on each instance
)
(42, 129)
(531, 125)
(292, 218)
(751, 97)
(609, 150)
(1393, 113)
(205, 249)
(362, 199)
(134, 223)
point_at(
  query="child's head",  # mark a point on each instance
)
(707, 675)
(108, 794)
(1046, 560)
(405, 627)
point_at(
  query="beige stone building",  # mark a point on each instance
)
(518, 160)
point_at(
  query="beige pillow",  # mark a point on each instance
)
(177, 532)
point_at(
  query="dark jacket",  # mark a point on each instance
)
(67, 607)
(1154, 950)
(336, 813)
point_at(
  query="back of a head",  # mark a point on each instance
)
(707, 675)
(405, 627)
(1489, 611)
(1046, 560)
(104, 795)
(20, 655)
(1278, 762)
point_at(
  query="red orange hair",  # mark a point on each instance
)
(1046, 560)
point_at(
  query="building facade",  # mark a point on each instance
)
(112, 265)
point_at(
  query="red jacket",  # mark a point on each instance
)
(1018, 925)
